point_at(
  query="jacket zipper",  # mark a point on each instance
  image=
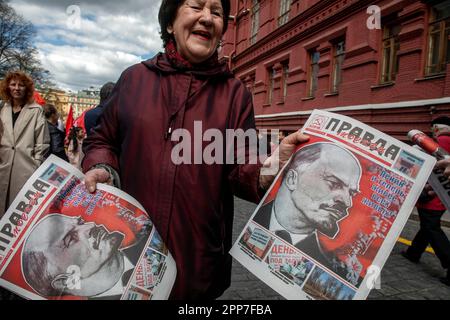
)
(169, 130)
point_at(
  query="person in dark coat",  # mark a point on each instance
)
(91, 117)
(431, 210)
(153, 106)
(56, 136)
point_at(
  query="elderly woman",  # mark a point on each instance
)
(191, 205)
(25, 138)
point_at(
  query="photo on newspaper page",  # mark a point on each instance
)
(60, 242)
(332, 217)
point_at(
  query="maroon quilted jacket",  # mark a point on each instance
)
(190, 205)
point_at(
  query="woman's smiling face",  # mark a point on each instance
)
(197, 29)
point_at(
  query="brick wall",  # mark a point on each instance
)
(315, 24)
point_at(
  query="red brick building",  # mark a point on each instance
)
(299, 55)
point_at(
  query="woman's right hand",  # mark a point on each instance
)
(95, 176)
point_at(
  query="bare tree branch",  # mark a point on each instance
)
(17, 51)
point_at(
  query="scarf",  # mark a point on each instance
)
(178, 62)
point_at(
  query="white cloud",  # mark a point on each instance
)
(112, 36)
(82, 67)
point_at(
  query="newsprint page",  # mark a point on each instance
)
(330, 220)
(59, 242)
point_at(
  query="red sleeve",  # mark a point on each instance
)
(444, 142)
(435, 203)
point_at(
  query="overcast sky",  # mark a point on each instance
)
(110, 36)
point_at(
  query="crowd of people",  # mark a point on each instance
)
(127, 143)
(30, 132)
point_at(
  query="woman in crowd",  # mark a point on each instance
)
(56, 136)
(25, 137)
(191, 205)
(74, 150)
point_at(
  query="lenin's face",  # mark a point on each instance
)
(323, 191)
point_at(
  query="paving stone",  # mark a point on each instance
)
(411, 296)
(421, 285)
(240, 277)
(387, 290)
(374, 295)
(436, 294)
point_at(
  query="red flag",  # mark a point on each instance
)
(69, 121)
(38, 98)
(79, 122)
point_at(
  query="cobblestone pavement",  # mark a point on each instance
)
(400, 279)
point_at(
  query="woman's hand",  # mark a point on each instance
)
(95, 176)
(279, 158)
(288, 146)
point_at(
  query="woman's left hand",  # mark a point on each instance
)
(288, 146)
(280, 157)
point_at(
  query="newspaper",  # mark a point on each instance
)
(59, 242)
(333, 215)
